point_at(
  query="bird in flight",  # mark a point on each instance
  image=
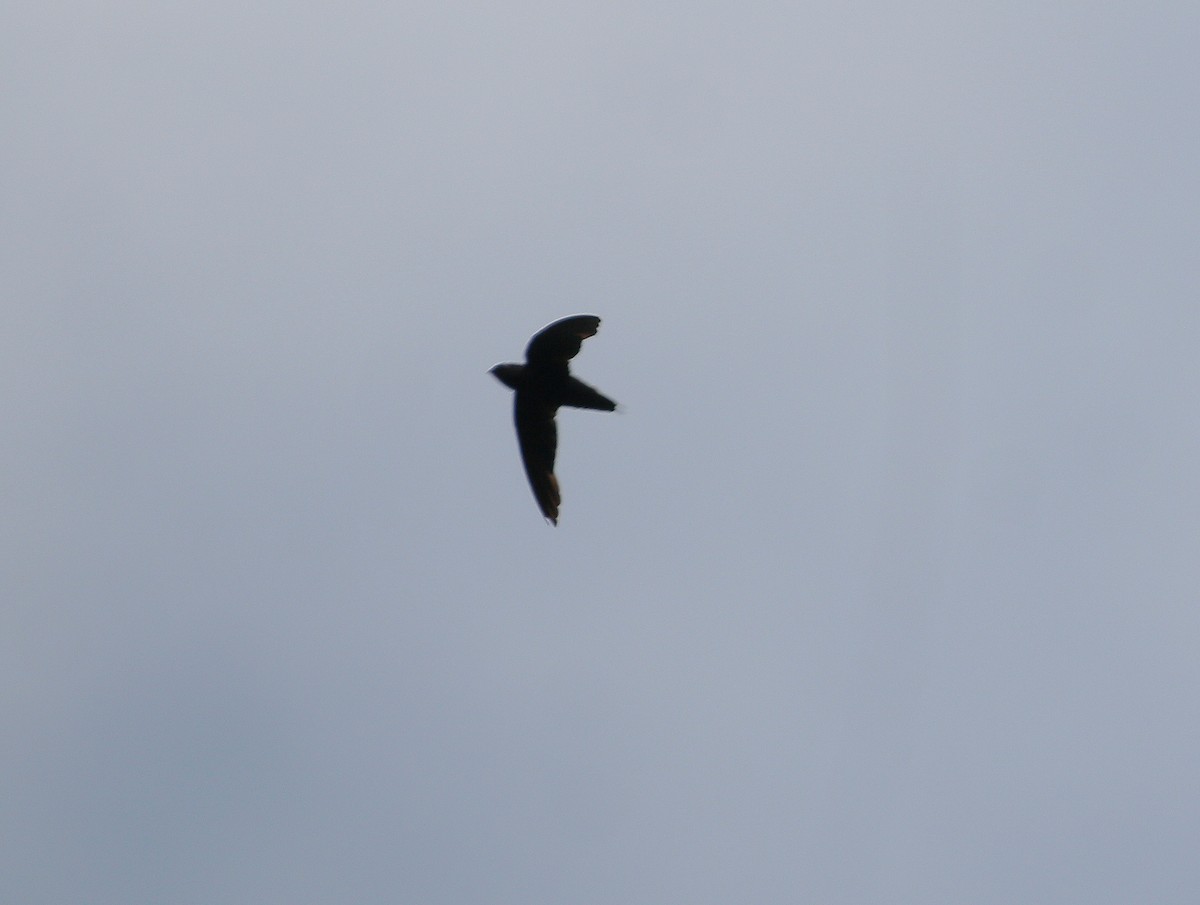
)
(543, 384)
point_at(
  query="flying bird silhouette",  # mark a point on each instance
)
(543, 384)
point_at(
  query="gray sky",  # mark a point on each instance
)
(881, 588)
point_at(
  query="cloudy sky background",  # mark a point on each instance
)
(881, 587)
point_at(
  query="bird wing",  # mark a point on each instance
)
(537, 436)
(559, 343)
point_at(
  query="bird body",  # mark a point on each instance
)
(542, 385)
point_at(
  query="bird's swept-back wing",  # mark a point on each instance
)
(560, 342)
(538, 439)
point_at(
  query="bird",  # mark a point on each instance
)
(543, 384)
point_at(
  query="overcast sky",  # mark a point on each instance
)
(883, 585)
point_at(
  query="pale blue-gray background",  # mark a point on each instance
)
(882, 588)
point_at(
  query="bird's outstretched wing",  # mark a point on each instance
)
(559, 343)
(537, 436)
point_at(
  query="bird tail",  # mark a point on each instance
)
(581, 396)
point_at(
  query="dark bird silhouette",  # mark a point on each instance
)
(543, 384)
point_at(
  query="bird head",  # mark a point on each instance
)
(509, 374)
